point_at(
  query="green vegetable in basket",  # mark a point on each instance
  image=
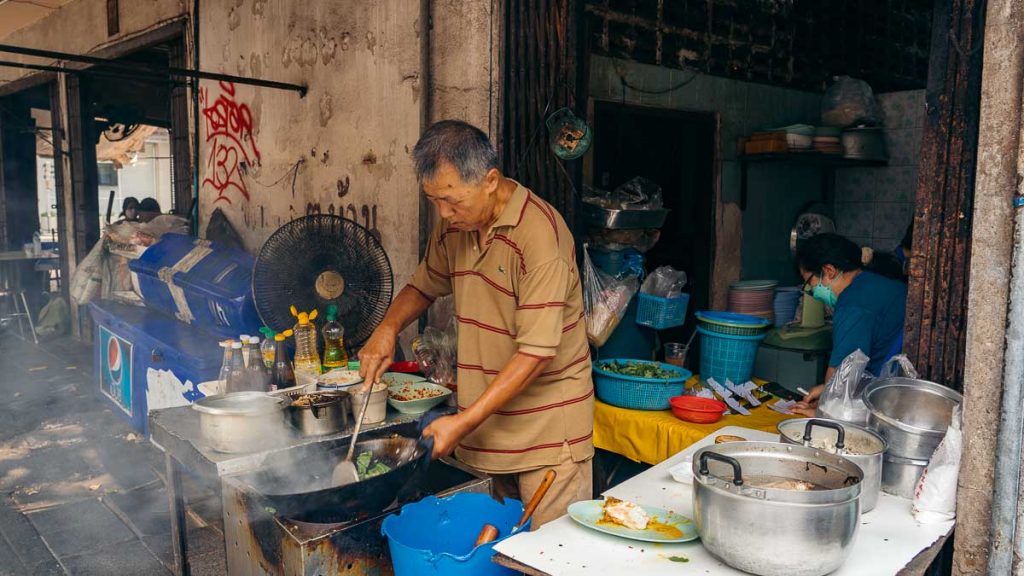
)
(649, 370)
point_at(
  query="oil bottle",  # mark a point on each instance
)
(307, 359)
(334, 340)
(281, 376)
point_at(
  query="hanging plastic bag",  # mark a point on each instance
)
(935, 495)
(665, 282)
(849, 102)
(842, 398)
(605, 299)
(899, 366)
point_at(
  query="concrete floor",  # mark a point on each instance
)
(81, 492)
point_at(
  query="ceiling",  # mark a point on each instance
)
(16, 14)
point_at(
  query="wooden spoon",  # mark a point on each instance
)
(490, 533)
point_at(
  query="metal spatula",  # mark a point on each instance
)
(345, 472)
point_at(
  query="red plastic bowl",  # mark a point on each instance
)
(405, 367)
(696, 409)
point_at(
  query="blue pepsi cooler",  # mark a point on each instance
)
(146, 360)
(199, 282)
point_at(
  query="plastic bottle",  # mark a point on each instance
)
(334, 340)
(307, 359)
(281, 376)
(238, 377)
(267, 347)
(225, 365)
(244, 339)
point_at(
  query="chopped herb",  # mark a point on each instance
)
(678, 559)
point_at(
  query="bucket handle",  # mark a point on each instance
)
(840, 441)
(737, 472)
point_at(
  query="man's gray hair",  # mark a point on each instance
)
(464, 146)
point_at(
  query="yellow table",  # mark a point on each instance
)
(651, 436)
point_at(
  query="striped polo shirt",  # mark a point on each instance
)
(521, 293)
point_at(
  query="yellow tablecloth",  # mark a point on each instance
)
(652, 436)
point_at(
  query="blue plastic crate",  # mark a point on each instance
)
(661, 313)
(727, 357)
(638, 393)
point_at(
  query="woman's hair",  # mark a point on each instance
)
(823, 249)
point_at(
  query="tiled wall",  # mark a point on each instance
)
(874, 206)
(775, 193)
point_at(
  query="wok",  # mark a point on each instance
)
(302, 489)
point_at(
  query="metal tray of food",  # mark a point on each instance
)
(598, 217)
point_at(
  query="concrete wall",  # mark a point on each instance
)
(80, 27)
(875, 205)
(752, 244)
(269, 156)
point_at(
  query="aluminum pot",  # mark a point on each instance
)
(745, 507)
(325, 413)
(241, 421)
(912, 415)
(900, 475)
(858, 445)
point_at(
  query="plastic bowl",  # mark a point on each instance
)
(407, 367)
(417, 406)
(697, 410)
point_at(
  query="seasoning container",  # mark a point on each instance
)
(378, 407)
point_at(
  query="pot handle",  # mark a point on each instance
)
(840, 441)
(737, 473)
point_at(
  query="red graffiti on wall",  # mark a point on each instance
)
(232, 145)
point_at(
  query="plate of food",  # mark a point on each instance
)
(633, 521)
(416, 397)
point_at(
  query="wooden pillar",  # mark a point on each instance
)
(940, 262)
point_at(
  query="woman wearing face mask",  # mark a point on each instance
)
(867, 308)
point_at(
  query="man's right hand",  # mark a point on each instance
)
(376, 356)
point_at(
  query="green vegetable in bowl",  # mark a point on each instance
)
(639, 369)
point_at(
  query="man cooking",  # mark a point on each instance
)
(525, 395)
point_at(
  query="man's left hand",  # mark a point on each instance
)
(447, 432)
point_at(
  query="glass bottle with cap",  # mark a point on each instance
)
(238, 377)
(281, 376)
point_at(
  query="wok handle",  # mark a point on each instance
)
(737, 472)
(840, 441)
(545, 484)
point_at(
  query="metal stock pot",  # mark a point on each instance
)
(858, 445)
(776, 509)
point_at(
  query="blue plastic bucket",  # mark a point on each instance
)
(436, 536)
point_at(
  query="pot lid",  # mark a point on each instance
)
(240, 404)
(857, 441)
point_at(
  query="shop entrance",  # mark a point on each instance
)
(675, 149)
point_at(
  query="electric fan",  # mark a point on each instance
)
(318, 260)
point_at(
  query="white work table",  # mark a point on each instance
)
(888, 541)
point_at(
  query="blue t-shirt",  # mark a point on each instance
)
(869, 317)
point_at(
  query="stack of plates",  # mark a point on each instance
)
(787, 300)
(753, 297)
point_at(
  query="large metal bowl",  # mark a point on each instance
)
(912, 415)
(755, 527)
(242, 422)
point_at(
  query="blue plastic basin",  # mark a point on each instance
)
(436, 536)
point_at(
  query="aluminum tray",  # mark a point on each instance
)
(623, 219)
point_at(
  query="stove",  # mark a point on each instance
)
(261, 542)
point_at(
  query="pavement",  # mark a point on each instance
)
(81, 492)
